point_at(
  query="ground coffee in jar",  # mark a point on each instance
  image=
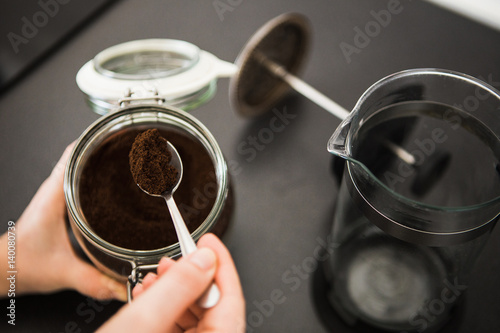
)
(122, 214)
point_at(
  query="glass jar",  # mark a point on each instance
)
(130, 84)
(125, 263)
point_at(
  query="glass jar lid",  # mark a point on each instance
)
(175, 71)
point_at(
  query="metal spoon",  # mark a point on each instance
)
(187, 244)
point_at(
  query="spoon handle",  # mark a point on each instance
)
(212, 295)
(185, 240)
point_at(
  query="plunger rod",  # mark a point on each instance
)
(303, 88)
(324, 102)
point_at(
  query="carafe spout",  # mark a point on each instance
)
(337, 144)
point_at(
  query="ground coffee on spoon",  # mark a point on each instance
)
(150, 161)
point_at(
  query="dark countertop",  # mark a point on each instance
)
(285, 194)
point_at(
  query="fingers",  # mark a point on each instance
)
(50, 195)
(226, 276)
(56, 178)
(137, 291)
(149, 280)
(189, 318)
(93, 283)
(229, 314)
(164, 264)
(51, 192)
(169, 298)
(59, 168)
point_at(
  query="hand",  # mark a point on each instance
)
(167, 302)
(45, 261)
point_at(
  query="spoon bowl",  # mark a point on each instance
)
(176, 162)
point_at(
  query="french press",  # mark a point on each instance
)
(402, 257)
(420, 192)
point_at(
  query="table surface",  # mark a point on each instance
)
(285, 194)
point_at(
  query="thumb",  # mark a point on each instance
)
(184, 283)
(169, 297)
(89, 281)
(57, 175)
(50, 195)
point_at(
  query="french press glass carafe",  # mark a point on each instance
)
(406, 236)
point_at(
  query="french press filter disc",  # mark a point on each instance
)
(284, 40)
